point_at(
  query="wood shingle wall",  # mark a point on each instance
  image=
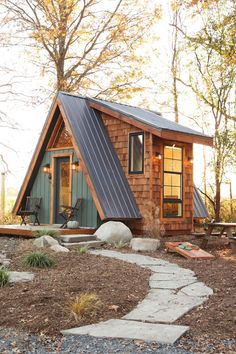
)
(147, 187)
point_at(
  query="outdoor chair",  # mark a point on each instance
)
(31, 208)
(69, 212)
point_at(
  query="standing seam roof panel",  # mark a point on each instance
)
(147, 117)
(200, 210)
(104, 168)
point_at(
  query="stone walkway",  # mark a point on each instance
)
(173, 292)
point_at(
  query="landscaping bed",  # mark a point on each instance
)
(213, 324)
(42, 305)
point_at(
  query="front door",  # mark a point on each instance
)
(62, 186)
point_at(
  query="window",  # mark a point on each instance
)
(173, 180)
(136, 153)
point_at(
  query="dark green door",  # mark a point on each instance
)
(62, 186)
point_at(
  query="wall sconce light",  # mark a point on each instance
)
(190, 160)
(47, 170)
(158, 155)
(75, 166)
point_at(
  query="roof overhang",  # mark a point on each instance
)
(162, 133)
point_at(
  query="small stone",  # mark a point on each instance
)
(45, 241)
(72, 224)
(16, 277)
(59, 248)
(197, 289)
(145, 244)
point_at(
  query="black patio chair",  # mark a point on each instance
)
(69, 212)
(32, 207)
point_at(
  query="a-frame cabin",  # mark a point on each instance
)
(117, 158)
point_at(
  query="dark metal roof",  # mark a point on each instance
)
(104, 168)
(148, 117)
(200, 210)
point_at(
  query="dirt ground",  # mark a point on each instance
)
(42, 305)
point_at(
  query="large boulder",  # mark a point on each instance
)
(45, 241)
(59, 248)
(145, 244)
(113, 231)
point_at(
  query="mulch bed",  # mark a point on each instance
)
(213, 324)
(41, 306)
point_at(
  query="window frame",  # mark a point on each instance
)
(129, 154)
(173, 200)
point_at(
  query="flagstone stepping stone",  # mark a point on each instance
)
(166, 334)
(17, 277)
(197, 289)
(172, 269)
(152, 319)
(171, 284)
(131, 258)
(164, 306)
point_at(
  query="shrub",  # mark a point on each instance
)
(43, 232)
(39, 260)
(85, 303)
(4, 277)
(83, 249)
(120, 244)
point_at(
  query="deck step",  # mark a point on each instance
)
(77, 238)
(88, 244)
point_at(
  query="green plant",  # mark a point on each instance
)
(4, 277)
(120, 244)
(85, 303)
(39, 260)
(43, 232)
(83, 249)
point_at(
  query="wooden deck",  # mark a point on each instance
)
(28, 230)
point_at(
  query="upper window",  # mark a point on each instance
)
(173, 176)
(136, 152)
(61, 138)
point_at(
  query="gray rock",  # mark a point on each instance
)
(45, 241)
(197, 289)
(72, 224)
(171, 284)
(59, 248)
(145, 244)
(16, 277)
(161, 333)
(113, 231)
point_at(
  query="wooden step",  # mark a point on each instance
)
(77, 238)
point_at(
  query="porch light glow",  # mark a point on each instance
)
(75, 165)
(158, 155)
(190, 160)
(47, 170)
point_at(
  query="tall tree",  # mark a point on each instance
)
(212, 79)
(88, 45)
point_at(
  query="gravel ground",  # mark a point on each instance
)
(12, 341)
(17, 342)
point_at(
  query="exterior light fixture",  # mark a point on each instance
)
(75, 166)
(158, 155)
(47, 170)
(190, 160)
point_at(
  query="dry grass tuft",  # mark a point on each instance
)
(83, 304)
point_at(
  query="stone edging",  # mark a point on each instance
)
(173, 292)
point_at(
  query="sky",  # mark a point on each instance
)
(29, 117)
